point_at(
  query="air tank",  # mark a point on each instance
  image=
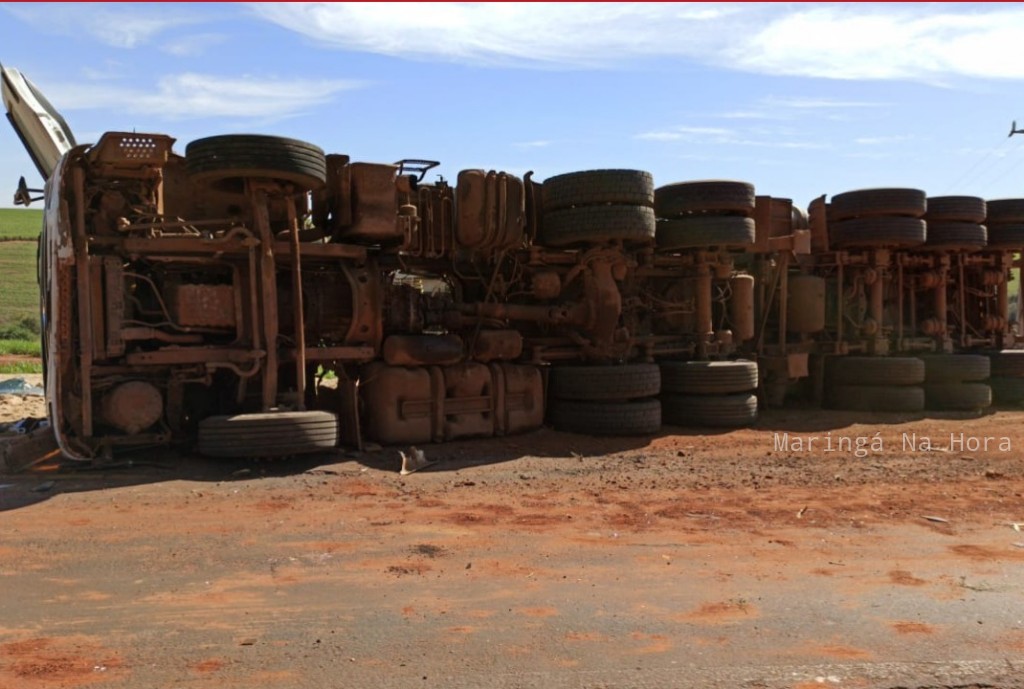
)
(805, 307)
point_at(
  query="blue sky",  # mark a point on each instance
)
(799, 99)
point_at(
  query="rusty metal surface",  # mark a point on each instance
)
(172, 266)
(202, 305)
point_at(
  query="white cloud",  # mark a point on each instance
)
(878, 42)
(120, 26)
(109, 70)
(197, 96)
(804, 103)
(500, 33)
(687, 133)
(840, 41)
(540, 143)
(749, 115)
(191, 46)
(761, 137)
(879, 140)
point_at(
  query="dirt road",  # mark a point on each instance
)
(547, 560)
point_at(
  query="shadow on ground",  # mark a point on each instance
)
(57, 476)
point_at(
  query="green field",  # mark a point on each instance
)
(19, 296)
(18, 223)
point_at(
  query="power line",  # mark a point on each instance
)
(1009, 163)
(986, 159)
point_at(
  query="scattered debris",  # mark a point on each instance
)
(18, 386)
(699, 515)
(44, 487)
(26, 450)
(800, 514)
(24, 426)
(372, 447)
(241, 472)
(1015, 525)
(414, 461)
(427, 550)
(938, 520)
(324, 471)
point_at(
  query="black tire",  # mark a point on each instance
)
(1008, 391)
(639, 417)
(715, 196)
(1005, 211)
(876, 370)
(874, 203)
(956, 236)
(723, 411)
(970, 209)
(268, 434)
(1006, 236)
(876, 398)
(958, 396)
(1008, 363)
(599, 225)
(235, 156)
(598, 187)
(869, 233)
(708, 377)
(704, 231)
(594, 383)
(956, 368)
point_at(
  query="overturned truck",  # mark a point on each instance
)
(258, 297)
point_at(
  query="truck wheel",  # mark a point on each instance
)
(970, 209)
(876, 398)
(235, 156)
(719, 196)
(1005, 211)
(1009, 391)
(593, 383)
(873, 203)
(268, 434)
(722, 411)
(598, 187)
(955, 368)
(956, 236)
(876, 370)
(708, 377)
(705, 231)
(639, 417)
(599, 225)
(958, 396)
(870, 233)
(1006, 236)
(1008, 363)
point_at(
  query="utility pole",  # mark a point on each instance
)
(1018, 259)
